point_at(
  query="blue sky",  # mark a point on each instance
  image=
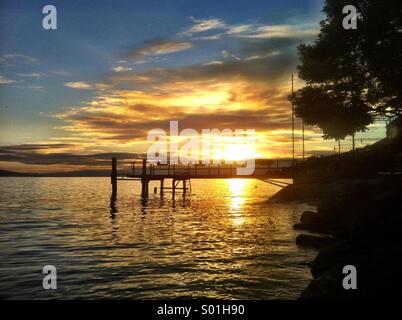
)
(184, 59)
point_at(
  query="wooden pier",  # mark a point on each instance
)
(181, 175)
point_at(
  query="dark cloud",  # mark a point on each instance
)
(125, 129)
(32, 147)
(264, 68)
(29, 154)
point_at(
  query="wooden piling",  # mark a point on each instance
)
(114, 177)
(161, 187)
(144, 167)
(144, 180)
(144, 187)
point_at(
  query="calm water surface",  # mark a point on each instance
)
(223, 241)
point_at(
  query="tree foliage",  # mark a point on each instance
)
(352, 75)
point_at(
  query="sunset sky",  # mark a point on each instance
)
(112, 72)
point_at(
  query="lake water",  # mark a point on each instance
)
(224, 241)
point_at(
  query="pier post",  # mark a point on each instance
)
(144, 167)
(144, 187)
(114, 177)
(144, 180)
(184, 187)
(161, 187)
(173, 187)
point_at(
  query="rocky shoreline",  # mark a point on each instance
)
(358, 222)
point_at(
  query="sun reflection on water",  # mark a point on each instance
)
(238, 193)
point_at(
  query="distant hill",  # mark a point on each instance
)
(6, 173)
(84, 173)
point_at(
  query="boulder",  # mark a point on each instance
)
(378, 273)
(312, 221)
(314, 241)
(309, 217)
(322, 229)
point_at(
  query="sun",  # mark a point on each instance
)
(235, 152)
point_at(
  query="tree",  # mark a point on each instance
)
(338, 118)
(352, 75)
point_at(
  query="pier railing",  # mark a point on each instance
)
(202, 171)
